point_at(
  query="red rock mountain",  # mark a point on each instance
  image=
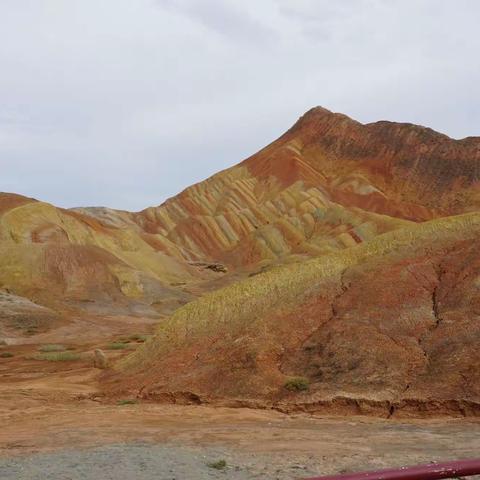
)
(325, 165)
(337, 269)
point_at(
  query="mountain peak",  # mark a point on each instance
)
(318, 117)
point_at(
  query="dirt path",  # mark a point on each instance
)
(177, 441)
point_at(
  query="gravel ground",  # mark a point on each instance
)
(140, 461)
(160, 442)
(153, 462)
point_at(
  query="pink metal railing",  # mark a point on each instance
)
(433, 471)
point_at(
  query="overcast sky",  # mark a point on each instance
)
(126, 102)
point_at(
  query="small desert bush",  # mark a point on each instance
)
(57, 356)
(6, 355)
(218, 465)
(297, 384)
(127, 402)
(117, 346)
(52, 348)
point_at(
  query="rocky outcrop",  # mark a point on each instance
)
(99, 359)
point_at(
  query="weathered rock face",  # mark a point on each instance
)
(408, 163)
(402, 329)
(392, 326)
(320, 187)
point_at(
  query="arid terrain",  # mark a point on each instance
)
(322, 292)
(56, 424)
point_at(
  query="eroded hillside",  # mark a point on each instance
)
(389, 325)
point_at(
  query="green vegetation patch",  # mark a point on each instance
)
(297, 384)
(52, 348)
(6, 355)
(218, 465)
(57, 356)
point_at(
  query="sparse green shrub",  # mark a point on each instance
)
(127, 402)
(116, 346)
(57, 356)
(6, 355)
(218, 465)
(52, 348)
(297, 384)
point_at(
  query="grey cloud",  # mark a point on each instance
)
(125, 103)
(223, 17)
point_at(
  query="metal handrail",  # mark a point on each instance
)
(432, 471)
